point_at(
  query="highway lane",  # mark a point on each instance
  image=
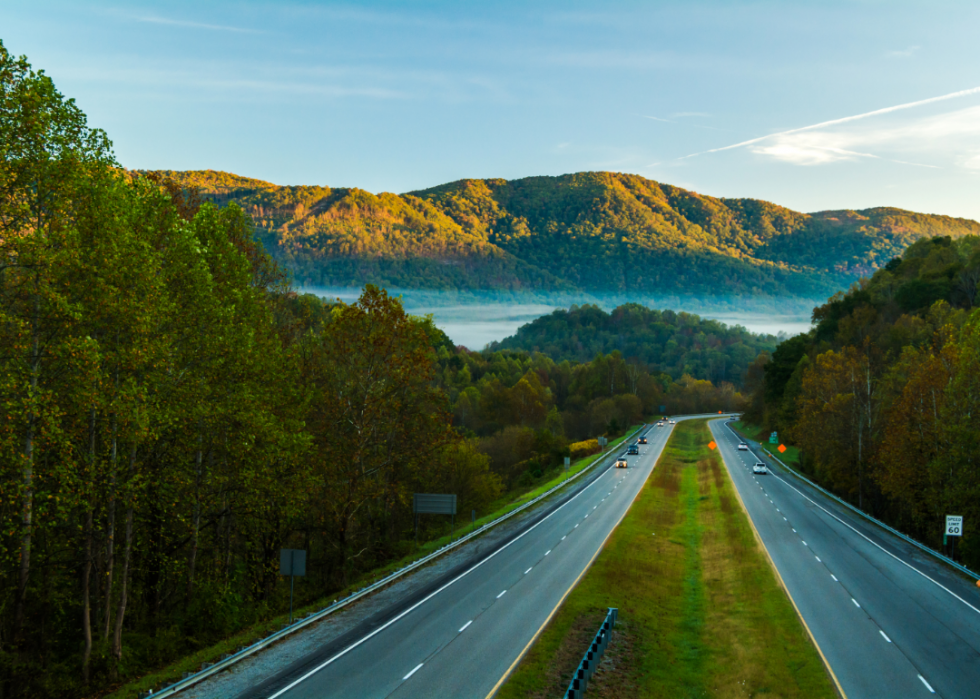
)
(461, 639)
(891, 621)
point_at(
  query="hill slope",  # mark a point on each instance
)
(591, 231)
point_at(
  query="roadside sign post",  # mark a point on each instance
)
(954, 527)
(434, 504)
(603, 442)
(774, 438)
(292, 562)
(568, 462)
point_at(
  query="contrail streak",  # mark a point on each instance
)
(843, 120)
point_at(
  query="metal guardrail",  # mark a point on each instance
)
(208, 669)
(592, 657)
(864, 514)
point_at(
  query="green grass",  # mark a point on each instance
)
(247, 637)
(701, 612)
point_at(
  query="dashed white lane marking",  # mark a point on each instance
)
(804, 543)
(505, 592)
(785, 520)
(419, 666)
(834, 577)
(586, 515)
(563, 538)
(928, 686)
(575, 527)
(855, 603)
(818, 559)
(884, 635)
(594, 506)
(794, 531)
(463, 627)
(547, 552)
(528, 570)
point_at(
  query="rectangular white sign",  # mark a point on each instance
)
(954, 525)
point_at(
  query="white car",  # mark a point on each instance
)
(672, 422)
(743, 447)
(621, 463)
(760, 468)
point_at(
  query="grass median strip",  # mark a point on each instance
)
(700, 610)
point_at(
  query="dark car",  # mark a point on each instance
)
(641, 440)
(633, 449)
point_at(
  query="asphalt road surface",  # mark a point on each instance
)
(460, 638)
(890, 620)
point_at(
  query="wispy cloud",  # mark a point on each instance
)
(196, 25)
(678, 115)
(835, 122)
(904, 53)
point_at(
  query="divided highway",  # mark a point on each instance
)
(461, 638)
(890, 620)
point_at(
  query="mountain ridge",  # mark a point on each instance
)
(589, 231)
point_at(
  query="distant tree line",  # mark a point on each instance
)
(661, 341)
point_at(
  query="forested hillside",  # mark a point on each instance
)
(882, 396)
(591, 231)
(172, 413)
(663, 341)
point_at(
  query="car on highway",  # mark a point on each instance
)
(743, 447)
(632, 449)
(672, 422)
(760, 468)
(641, 440)
(621, 462)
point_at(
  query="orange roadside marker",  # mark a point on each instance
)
(712, 445)
(781, 448)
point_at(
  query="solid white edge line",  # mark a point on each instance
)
(928, 686)
(884, 635)
(877, 545)
(505, 592)
(416, 669)
(418, 604)
(463, 628)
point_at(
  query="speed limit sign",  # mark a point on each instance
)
(954, 525)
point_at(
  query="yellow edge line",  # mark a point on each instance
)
(782, 584)
(571, 587)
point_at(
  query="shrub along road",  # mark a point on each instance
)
(700, 611)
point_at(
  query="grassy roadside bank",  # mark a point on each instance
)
(700, 610)
(247, 637)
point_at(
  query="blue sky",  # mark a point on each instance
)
(396, 96)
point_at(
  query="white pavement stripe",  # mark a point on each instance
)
(463, 628)
(416, 669)
(528, 570)
(928, 686)
(505, 592)
(563, 538)
(818, 559)
(884, 635)
(804, 543)
(834, 577)
(855, 603)
(547, 552)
